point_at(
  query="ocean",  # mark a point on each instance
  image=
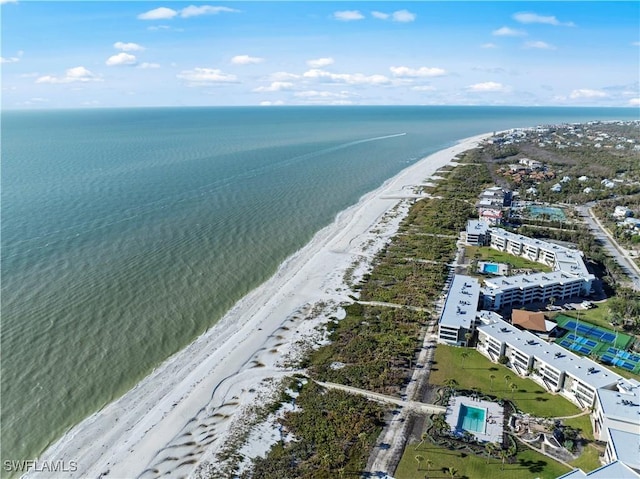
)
(126, 233)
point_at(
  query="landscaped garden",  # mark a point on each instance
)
(486, 253)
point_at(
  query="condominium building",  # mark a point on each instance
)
(459, 312)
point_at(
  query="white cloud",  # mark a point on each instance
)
(148, 66)
(162, 13)
(128, 47)
(403, 16)
(154, 28)
(489, 86)
(423, 88)
(348, 15)
(406, 72)
(246, 60)
(400, 16)
(205, 76)
(320, 62)
(350, 78)
(121, 59)
(284, 76)
(380, 15)
(529, 17)
(587, 93)
(2, 2)
(321, 94)
(634, 102)
(193, 11)
(636, 44)
(9, 60)
(489, 45)
(539, 45)
(271, 103)
(275, 86)
(508, 32)
(72, 75)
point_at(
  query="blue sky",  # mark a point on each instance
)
(153, 53)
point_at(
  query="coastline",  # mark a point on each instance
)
(181, 413)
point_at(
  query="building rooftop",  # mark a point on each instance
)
(586, 370)
(627, 447)
(462, 302)
(523, 281)
(477, 227)
(622, 404)
(613, 470)
(531, 321)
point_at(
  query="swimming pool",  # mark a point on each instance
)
(472, 418)
(490, 268)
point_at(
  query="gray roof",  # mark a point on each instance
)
(477, 227)
(622, 404)
(523, 281)
(462, 302)
(613, 470)
(627, 447)
(583, 368)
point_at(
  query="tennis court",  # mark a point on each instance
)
(609, 346)
(596, 333)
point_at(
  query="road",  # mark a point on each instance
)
(629, 267)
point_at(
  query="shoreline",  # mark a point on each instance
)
(181, 413)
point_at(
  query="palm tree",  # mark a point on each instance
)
(467, 337)
(513, 387)
(490, 448)
(507, 378)
(451, 384)
(491, 378)
(503, 455)
(429, 463)
(419, 458)
(452, 472)
(464, 355)
(423, 438)
(363, 439)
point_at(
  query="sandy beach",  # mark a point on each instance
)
(178, 417)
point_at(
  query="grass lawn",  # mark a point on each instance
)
(583, 423)
(529, 397)
(598, 315)
(486, 253)
(588, 460)
(530, 464)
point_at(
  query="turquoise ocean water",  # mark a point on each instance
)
(127, 233)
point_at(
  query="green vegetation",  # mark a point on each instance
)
(529, 397)
(334, 431)
(376, 347)
(588, 460)
(486, 253)
(528, 464)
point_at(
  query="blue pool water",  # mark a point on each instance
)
(490, 268)
(471, 418)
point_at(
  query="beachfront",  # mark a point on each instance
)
(180, 415)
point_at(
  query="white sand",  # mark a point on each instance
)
(179, 415)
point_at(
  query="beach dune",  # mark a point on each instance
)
(180, 414)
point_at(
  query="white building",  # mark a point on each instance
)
(459, 313)
(621, 212)
(570, 277)
(477, 233)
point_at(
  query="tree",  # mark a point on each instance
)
(423, 438)
(503, 455)
(452, 472)
(507, 378)
(429, 463)
(513, 387)
(490, 448)
(491, 378)
(464, 355)
(552, 301)
(468, 337)
(451, 383)
(419, 458)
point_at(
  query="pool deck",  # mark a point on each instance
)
(495, 417)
